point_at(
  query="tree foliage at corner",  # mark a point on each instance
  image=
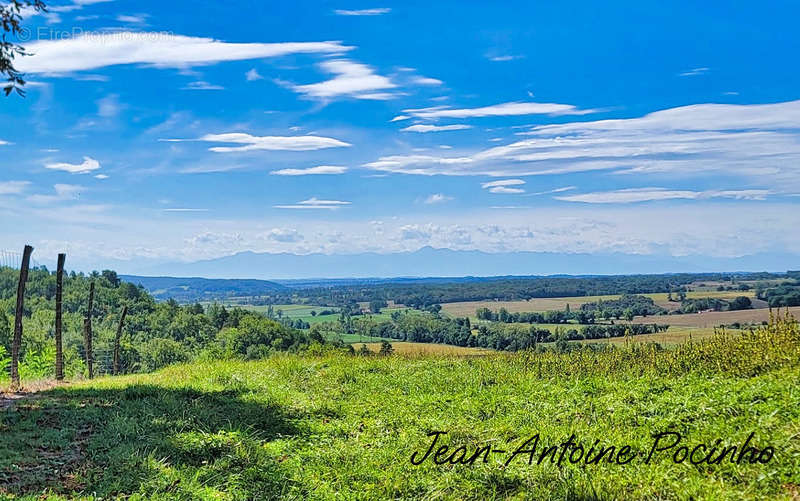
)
(11, 19)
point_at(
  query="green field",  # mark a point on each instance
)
(334, 426)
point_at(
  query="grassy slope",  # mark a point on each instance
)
(338, 427)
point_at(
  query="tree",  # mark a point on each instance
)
(376, 304)
(11, 18)
(386, 348)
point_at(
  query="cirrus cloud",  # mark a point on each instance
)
(320, 169)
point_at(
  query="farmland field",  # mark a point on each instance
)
(714, 318)
(333, 426)
(467, 308)
(408, 348)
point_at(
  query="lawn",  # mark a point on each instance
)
(346, 427)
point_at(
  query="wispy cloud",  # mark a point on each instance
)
(504, 186)
(426, 81)
(363, 12)
(13, 187)
(132, 19)
(315, 203)
(352, 79)
(503, 58)
(556, 190)
(694, 72)
(98, 50)
(437, 198)
(498, 110)
(62, 192)
(320, 169)
(435, 128)
(276, 143)
(746, 140)
(632, 195)
(253, 75)
(202, 85)
(89, 164)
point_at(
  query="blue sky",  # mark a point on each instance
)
(164, 131)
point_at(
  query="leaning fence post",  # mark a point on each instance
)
(59, 295)
(116, 339)
(87, 332)
(15, 346)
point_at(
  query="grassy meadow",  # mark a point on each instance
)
(336, 426)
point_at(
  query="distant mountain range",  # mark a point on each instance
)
(430, 262)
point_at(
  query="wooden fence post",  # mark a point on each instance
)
(87, 332)
(116, 339)
(17, 342)
(59, 295)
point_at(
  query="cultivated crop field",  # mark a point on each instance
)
(336, 426)
(408, 348)
(467, 308)
(715, 318)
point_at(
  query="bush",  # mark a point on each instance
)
(160, 352)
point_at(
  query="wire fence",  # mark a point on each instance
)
(12, 259)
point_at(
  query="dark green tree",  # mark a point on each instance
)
(11, 20)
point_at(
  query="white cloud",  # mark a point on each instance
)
(101, 176)
(556, 190)
(435, 128)
(498, 110)
(98, 50)
(399, 118)
(437, 198)
(352, 80)
(503, 182)
(62, 192)
(253, 75)
(202, 85)
(137, 19)
(503, 186)
(89, 164)
(285, 235)
(503, 58)
(694, 72)
(13, 187)
(632, 195)
(505, 190)
(426, 81)
(315, 203)
(320, 169)
(750, 141)
(276, 143)
(109, 106)
(363, 12)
